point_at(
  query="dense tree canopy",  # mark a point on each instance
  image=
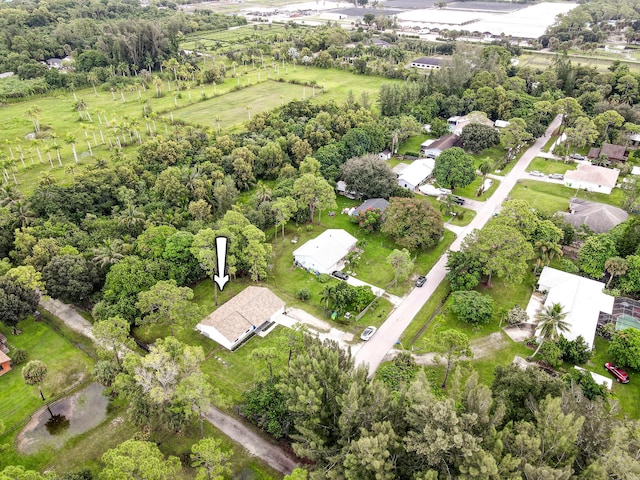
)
(414, 224)
(454, 168)
(369, 176)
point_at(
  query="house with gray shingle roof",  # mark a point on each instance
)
(598, 217)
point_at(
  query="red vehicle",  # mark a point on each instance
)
(620, 375)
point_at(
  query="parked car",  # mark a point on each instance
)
(421, 281)
(620, 375)
(577, 156)
(368, 333)
(340, 275)
(536, 173)
(459, 200)
(556, 176)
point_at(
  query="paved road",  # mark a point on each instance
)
(373, 351)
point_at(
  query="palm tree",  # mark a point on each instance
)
(34, 373)
(108, 253)
(615, 267)
(327, 294)
(22, 212)
(71, 140)
(551, 324)
(9, 194)
(46, 179)
(93, 78)
(34, 112)
(132, 217)
(263, 193)
(546, 251)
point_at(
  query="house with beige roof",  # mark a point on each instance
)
(251, 311)
(592, 178)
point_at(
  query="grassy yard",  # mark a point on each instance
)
(547, 166)
(550, 197)
(470, 190)
(67, 367)
(627, 394)
(412, 144)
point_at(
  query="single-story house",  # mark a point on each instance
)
(599, 217)
(380, 43)
(614, 153)
(457, 123)
(581, 298)
(433, 148)
(5, 363)
(416, 173)
(592, 178)
(250, 311)
(384, 155)
(326, 252)
(373, 204)
(427, 63)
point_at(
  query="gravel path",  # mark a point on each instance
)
(69, 316)
(271, 454)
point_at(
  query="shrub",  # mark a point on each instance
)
(19, 356)
(303, 294)
(105, 372)
(323, 277)
(473, 307)
(517, 315)
(590, 388)
(574, 351)
(625, 348)
(400, 371)
(551, 354)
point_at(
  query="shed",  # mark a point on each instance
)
(250, 311)
(427, 63)
(326, 252)
(384, 155)
(5, 363)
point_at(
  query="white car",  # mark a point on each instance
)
(536, 173)
(368, 333)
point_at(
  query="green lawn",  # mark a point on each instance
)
(470, 190)
(547, 166)
(67, 367)
(627, 394)
(550, 197)
(412, 144)
(419, 322)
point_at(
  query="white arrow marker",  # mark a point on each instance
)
(221, 252)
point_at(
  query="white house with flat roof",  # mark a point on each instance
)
(581, 298)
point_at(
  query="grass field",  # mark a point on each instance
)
(547, 166)
(550, 197)
(543, 60)
(470, 190)
(234, 108)
(413, 144)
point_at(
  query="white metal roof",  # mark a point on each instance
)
(418, 171)
(582, 299)
(324, 251)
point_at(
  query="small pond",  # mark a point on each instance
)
(68, 417)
